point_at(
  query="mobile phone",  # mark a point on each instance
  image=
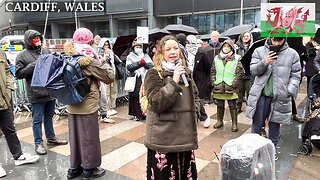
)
(273, 48)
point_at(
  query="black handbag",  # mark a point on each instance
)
(121, 70)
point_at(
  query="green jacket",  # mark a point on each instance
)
(6, 83)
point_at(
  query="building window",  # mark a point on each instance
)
(249, 17)
(220, 22)
(237, 18)
(229, 20)
(257, 17)
(103, 29)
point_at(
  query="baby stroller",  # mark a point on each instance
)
(311, 131)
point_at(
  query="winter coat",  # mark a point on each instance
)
(310, 66)
(133, 66)
(286, 72)
(25, 64)
(171, 115)
(95, 71)
(201, 73)
(223, 87)
(212, 51)
(317, 61)
(242, 50)
(6, 83)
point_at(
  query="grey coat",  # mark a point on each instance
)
(286, 72)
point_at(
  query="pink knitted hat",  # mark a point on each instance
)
(82, 36)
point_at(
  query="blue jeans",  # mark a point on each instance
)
(262, 113)
(42, 111)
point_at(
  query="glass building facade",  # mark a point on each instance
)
(220, 21)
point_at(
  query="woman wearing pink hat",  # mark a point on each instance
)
(85, 150)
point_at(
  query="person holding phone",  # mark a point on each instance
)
(277, 71)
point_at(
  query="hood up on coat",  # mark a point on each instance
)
(29, 35)
(231, 43)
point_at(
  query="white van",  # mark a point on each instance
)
(12, 45)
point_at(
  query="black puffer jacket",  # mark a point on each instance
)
(25, 64)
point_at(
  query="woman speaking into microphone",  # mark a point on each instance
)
(171, 116)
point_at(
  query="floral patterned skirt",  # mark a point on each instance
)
(171, 166)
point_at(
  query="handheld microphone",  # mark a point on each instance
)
(183, 76)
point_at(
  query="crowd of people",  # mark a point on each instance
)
(179, 77)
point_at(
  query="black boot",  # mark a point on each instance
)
(234, 118)
(74, 172)
(220, 114)
(93, 173)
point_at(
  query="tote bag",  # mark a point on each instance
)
(130, 84)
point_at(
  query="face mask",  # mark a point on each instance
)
(138, 50)
(226, 49)
(36, 42)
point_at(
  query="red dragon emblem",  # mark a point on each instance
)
(288, 19)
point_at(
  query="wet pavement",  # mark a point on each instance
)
(124, 155)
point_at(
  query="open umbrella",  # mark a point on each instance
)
(123, 43)
(157, 33)
(237, 30)
(180, 28)
(246, 59)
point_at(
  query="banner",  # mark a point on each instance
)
(287, 19)
(142, 35)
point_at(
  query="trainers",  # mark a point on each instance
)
(107, 120)
(2, 172)
(56, 142)
(136, 118)
(40, 149)
(26, 159)
(206, 123)
(112, 112)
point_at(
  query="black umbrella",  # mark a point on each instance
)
(123, 43)
(180, 28)
(246, 59)
(237, 30)
(157, 33)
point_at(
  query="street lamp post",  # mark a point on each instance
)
(192, 14)
(10, 27)
(241, 12)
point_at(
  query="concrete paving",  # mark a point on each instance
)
(124, 155)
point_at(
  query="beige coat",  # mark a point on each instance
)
(95, 72)
(6, 83)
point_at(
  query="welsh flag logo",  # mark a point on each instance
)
(287, 19)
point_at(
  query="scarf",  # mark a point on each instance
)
(86, 50)
(133, 57)
(226, 56)
(168, 66)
